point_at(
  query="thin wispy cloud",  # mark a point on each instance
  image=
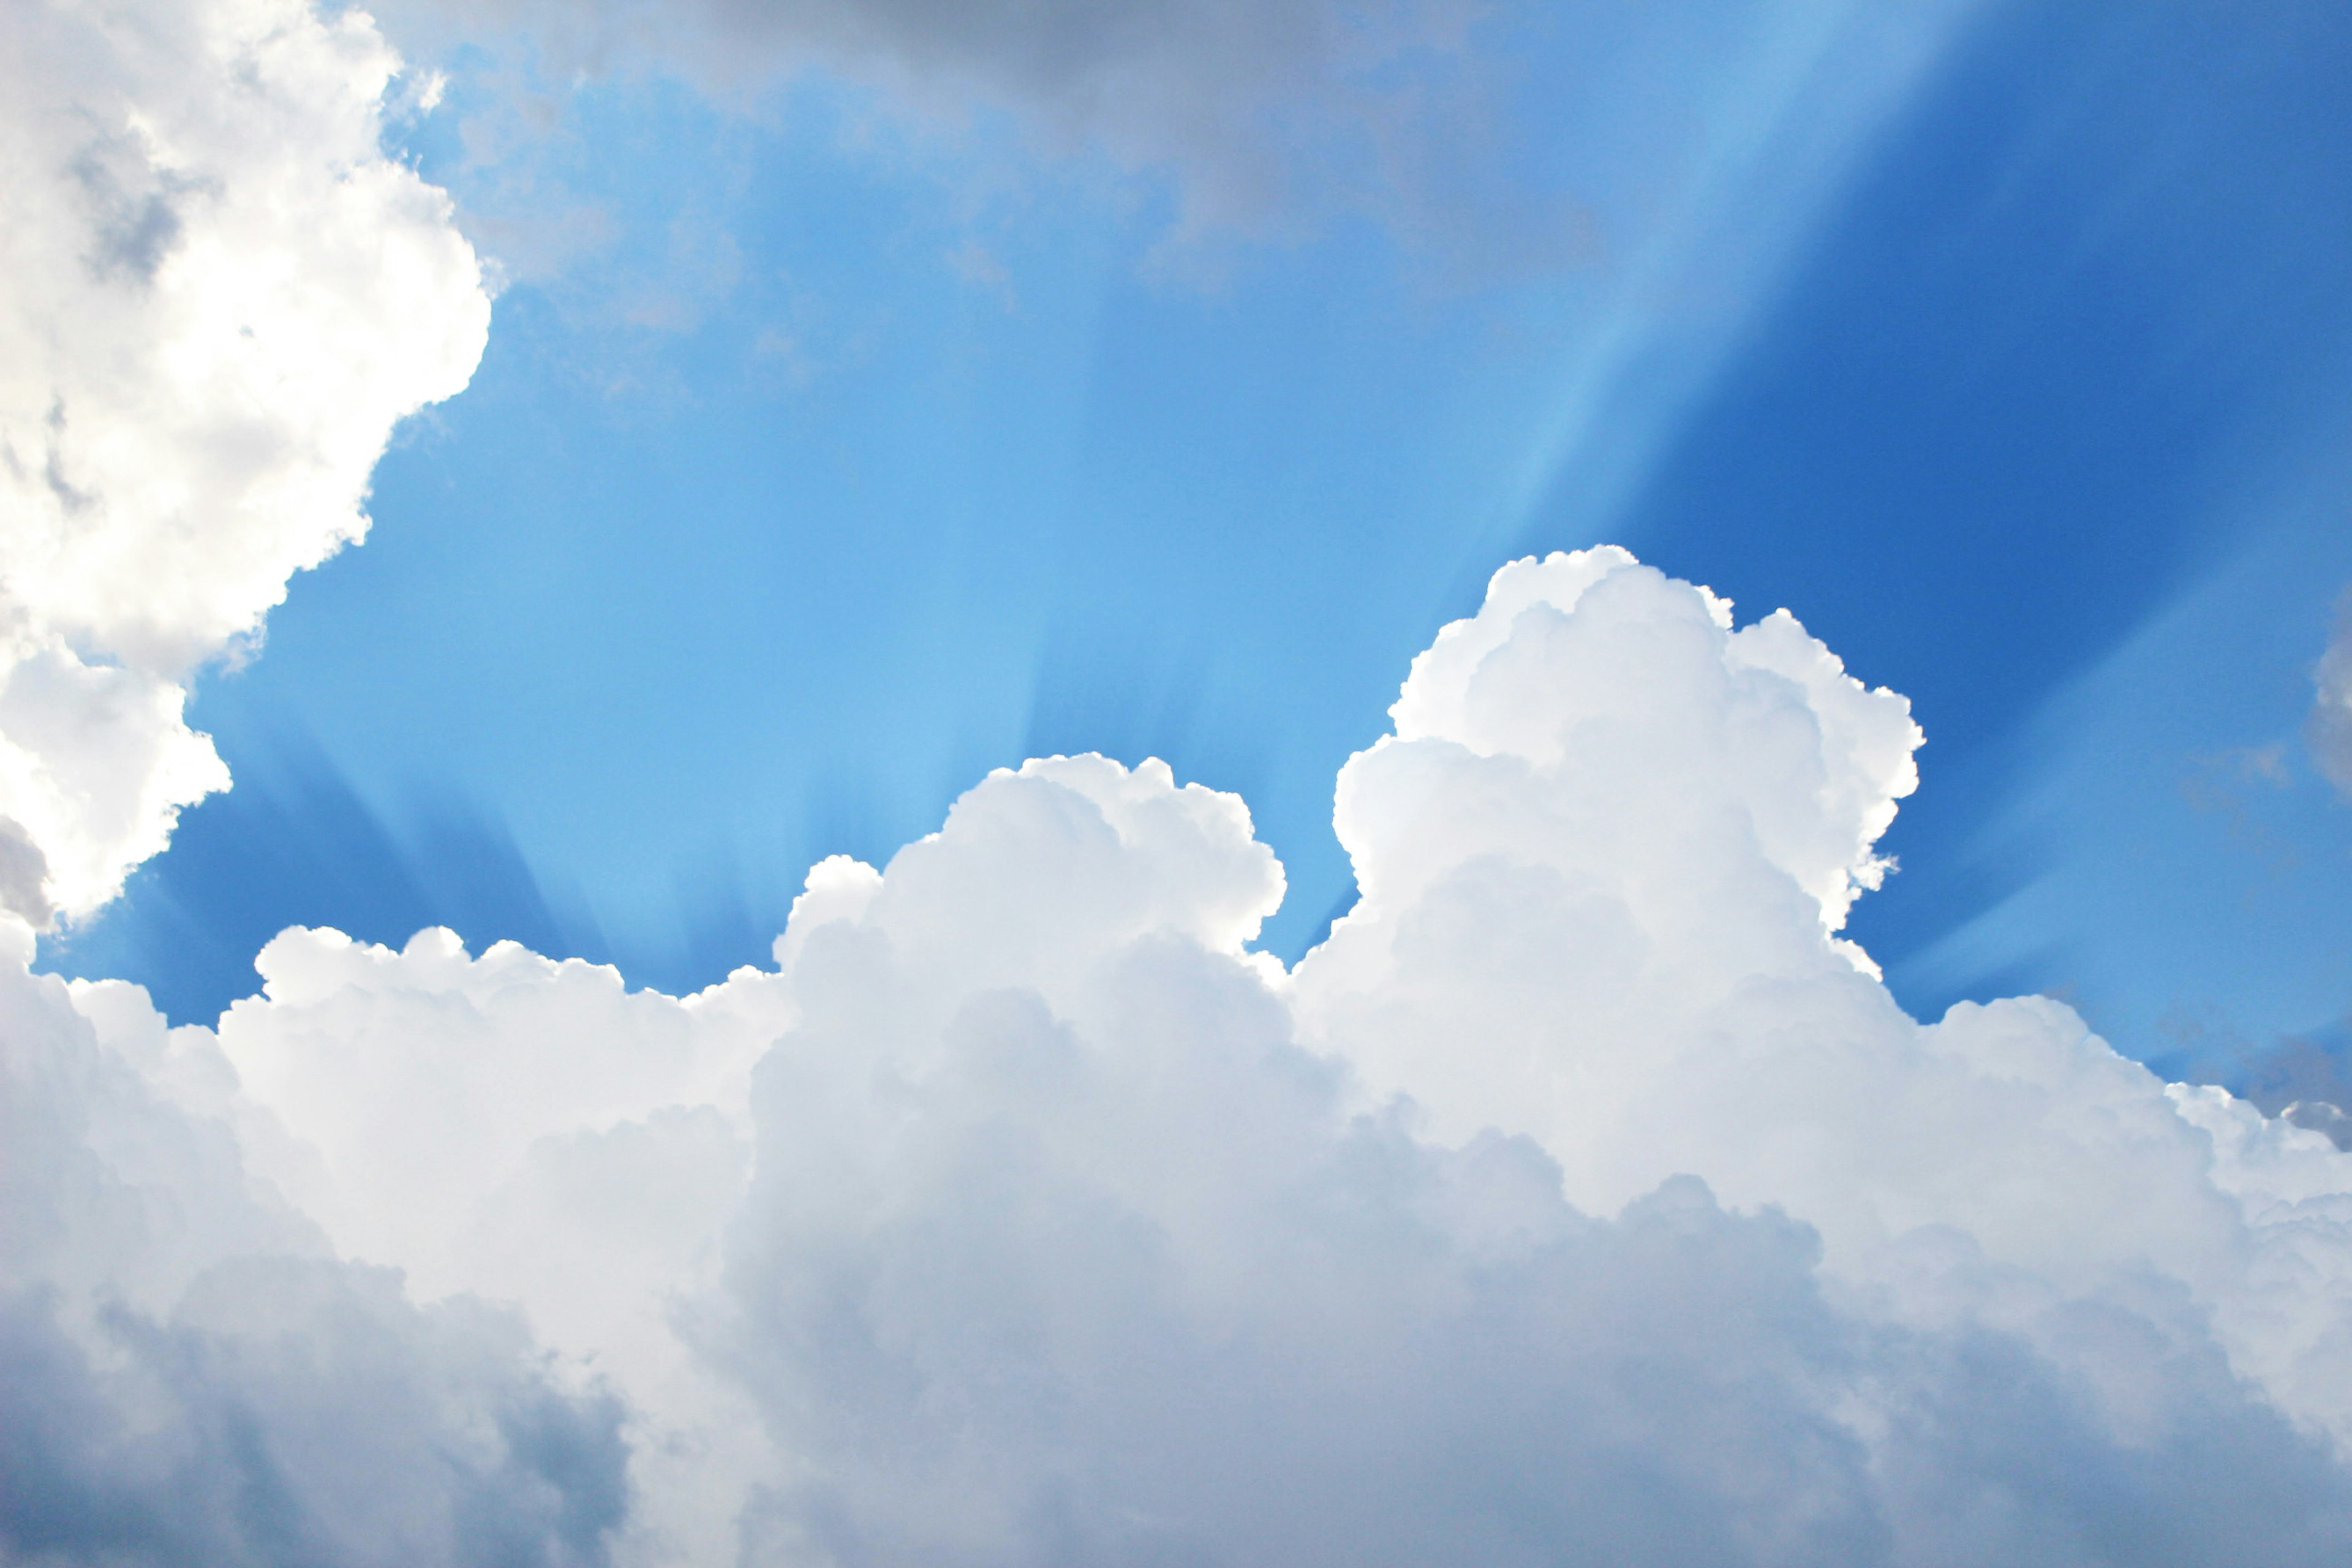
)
(1263, 121)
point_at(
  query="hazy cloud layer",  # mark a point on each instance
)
(1584, 1198)
(2329, 732)
(221, 296)
(1267, 118)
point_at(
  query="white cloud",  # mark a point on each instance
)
(192, 1377)
(220, 298)
(2329, 730)
(1584, 1198)
(1553, 939)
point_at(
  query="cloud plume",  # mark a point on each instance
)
(1584, 1198)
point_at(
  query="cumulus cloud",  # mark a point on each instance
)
(1584, 1198)
(2329, 730)
(192, 1376)
(1646, 979)
(220, 298)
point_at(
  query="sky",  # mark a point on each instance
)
(827, 453)
(542, 540)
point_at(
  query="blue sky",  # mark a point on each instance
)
(827, 454)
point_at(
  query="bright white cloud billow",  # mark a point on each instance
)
(220, 298)
(1585, 1198)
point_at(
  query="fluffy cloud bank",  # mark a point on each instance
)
(187, 1373)
(1585, 1198)
(220, 298)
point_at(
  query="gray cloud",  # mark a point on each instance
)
(134, 205)
(1268, 117)
(299, 1411)
(23, 870)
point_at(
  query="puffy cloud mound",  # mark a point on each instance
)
(190, 1376)
(220, 298)
(1585, 1198)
